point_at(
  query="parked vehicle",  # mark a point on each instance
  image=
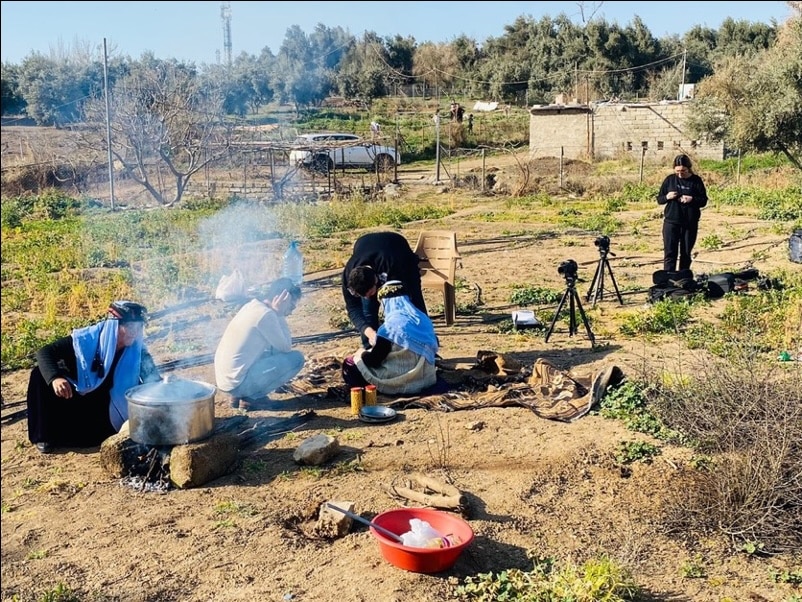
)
(325, 151)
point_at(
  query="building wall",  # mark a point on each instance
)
(566, 131)
(655, 131)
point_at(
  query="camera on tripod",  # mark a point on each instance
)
(603, 242)
(568, 269)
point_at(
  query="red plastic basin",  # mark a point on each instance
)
(421, 560)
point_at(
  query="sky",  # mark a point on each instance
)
(193, 31)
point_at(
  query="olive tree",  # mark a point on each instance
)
(755, 103)
(165, 126)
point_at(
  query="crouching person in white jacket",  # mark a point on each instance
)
(255, 355)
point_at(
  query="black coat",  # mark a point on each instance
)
(683, 213)
(390, 255)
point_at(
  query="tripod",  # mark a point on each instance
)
(597, 284)
(573, 304)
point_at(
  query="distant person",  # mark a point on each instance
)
(470, 123)
(378, 257)
(255, 356)
(375, 129)
(402, 359)
(684, 195)
(76, 392)
(457, 112)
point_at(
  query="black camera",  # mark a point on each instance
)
(603, 242)
(568, 269)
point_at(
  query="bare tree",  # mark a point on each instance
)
(162, 121)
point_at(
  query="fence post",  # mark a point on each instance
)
(437, 148)
(484, 177)
(642, 157)
(562, 154)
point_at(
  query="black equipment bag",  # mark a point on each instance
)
(719, 285)
(666, 277)
(672, 285)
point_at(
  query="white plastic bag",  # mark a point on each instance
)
(420, 535)
(231, 286)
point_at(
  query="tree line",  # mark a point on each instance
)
(182, 117)
(529, 63)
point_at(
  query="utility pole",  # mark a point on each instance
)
(681, 92)
(108, 121)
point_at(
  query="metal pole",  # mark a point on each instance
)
(682, 85)
(642, 158)
(437, 147)
(484, 177)
(562, 154)
(108, 122)
(397, 134)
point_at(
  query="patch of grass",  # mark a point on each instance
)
(711, 242)
(233, 507)
(629, 404)
(534, 295)
(636, 451)
(596, 579)
(693, 568)
(665, 316)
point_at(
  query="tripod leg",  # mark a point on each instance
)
(572, 324)
(600, 289)
(615, 284)
(556, 314)
(592, 288)
(585, 322)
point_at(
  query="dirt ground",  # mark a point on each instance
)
(529, 484)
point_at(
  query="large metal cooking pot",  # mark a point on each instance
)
(170, 412)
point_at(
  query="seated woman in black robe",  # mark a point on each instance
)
(76, 392)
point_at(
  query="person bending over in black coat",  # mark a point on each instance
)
(377, 258)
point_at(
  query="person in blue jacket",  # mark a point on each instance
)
(684, 195)
(76, 392)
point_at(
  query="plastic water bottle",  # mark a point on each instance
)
(293, 266)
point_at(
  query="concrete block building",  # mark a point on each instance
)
(652, 132)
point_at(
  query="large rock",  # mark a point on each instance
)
(190, 465)
(316, 450)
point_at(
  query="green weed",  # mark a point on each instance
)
(693, 568)
(598, 579)
(636, 451)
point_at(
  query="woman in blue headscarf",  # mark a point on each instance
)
(76, 392)
(403, 359)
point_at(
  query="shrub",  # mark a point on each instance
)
(746, 414)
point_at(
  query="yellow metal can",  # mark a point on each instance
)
(356, 400)
(370, 395)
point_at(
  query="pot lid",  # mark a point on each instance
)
(174, 390)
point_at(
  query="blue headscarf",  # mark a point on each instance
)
(100, 340)
(404, 324)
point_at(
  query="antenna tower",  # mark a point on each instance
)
(225, 14)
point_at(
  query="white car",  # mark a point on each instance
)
(326, 151)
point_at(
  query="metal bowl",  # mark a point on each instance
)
(376, 414)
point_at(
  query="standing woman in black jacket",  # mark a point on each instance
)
(684, 194)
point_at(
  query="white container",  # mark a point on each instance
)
(525, 318)
(293, 264)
